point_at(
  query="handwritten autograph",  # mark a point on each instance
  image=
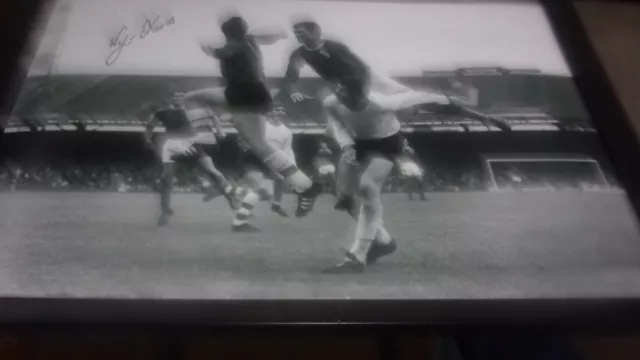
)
(124, 38)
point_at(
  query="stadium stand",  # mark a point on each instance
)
(84, 131)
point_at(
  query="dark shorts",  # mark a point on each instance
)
(248, 97)
(248, 161)
(389, 147)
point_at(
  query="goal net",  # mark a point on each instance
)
(512, 172)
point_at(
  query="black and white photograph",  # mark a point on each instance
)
(271, 149)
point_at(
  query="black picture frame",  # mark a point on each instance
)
(549, 314)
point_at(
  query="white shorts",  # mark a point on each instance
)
(175, 147)
(326, 169)
(409, 169)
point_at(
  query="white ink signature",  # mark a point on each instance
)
(124, 38)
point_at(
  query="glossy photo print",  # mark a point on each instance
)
(192, 149)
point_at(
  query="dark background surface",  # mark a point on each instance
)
(614, 29)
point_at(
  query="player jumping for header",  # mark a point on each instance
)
(334, 62)
(247, 96)
(182, 142)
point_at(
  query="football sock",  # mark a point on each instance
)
(369, 221)
(361, 244)
(382, 236)
(277, 192)
(372, 219)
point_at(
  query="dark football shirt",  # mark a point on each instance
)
(333, 61)
(174, 120)
(241, 62)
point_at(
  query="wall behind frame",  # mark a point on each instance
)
(613, 27)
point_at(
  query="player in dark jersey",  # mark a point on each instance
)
(182, 142)
(337, 64)
(332, 60)
(247, 96)
(411, 171)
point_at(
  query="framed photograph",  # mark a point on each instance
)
(337, 162)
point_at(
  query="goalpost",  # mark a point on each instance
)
(508, 172)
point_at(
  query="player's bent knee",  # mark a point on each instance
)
(368, 190)
(371, 205)
(262, 149)
(259, 147)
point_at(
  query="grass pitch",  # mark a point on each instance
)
(457, 245)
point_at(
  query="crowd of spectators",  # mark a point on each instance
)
(141, 178)
(145, 177)
(81, 177)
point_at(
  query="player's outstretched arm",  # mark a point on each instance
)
(218, 52)
(469, 97)
(386, 84)
(269, 36)
(410, 98)
(292, 75)
(496, 121)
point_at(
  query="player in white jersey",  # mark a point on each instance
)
(255, 172)
(366, 127)
(411, 172)
(280, 137)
